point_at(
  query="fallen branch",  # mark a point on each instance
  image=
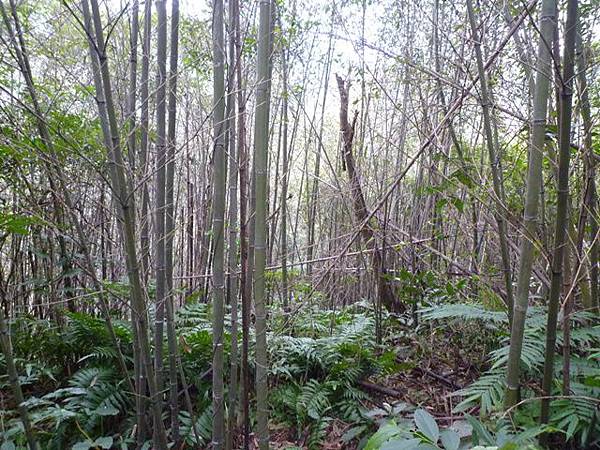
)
(381, 389)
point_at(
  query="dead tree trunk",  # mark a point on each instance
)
(385, 291)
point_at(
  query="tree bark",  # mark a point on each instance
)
(160, 257)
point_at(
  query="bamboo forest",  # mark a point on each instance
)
(299, 224)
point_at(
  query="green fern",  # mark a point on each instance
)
(532, 352)
(284, 399)
(487, 391)
(317, 434)
(88, 377)
(314, 399)
(575, 415)
(100, 354)
(203, 427)
(102, 395)
(462, 311)
(194, 317)
(583, 337)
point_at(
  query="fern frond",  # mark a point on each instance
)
(532, 352)
(318, 432)
(313, 399)
(463, 311)
(100, 354)
(487, 391)
(90, 376)
(203, 427)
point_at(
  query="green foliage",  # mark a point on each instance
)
(194, 317)
(194, 326)
(78, 410)
(89, 336)
(424, 433)
(425, 288)
(105, 442)
(574, 417)
(487, 391)
(347, 354)
(15, 223)
(83, 339)
(315, 372)
(203, 427)
(318, 376)
(462, 311)
(297, 286)
(196, 59)
(93, 400)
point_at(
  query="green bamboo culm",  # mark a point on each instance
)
(13, 378)
(218, 277)
(560, 229)
(125, 208)
(170, 221)
(284, 184)
(160, 186)
(533, 186)
(591, 208)
(232, 261)
(494, 160)
(261, 143)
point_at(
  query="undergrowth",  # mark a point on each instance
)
(320, 361)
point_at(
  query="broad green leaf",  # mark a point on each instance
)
(593, 381)
(479, 430)
(427, 425)
(401, 444)
(532, 432)
(387, 431)
(352, 433)
(509, 446)
(463, 177)
(8, 445)
(16, 224)
(106, 410)
(105, 442)
(573, 423)
(83, 445)
(458, 203)
(450, 439)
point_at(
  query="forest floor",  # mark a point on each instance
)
(431, 384)
(431, 381)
